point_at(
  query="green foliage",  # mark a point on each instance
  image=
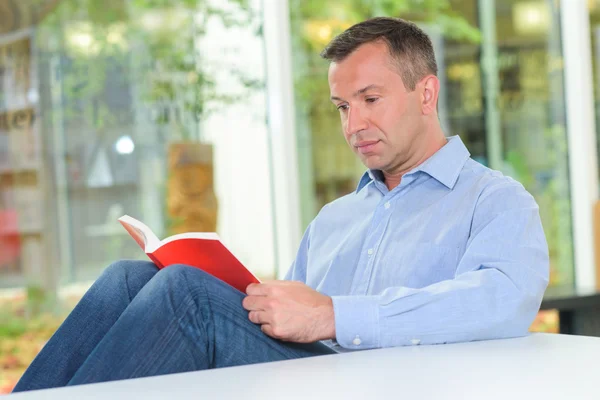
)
(11, 326)
(39, 300)
(162, 59)
(22, 315)
(434, 12)
(176, 74)
(312, 18)
(553, 198)
(518, 163)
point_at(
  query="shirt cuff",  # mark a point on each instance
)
(356, 321)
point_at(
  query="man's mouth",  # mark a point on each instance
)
(366, 146)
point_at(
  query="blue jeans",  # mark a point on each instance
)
(136, 321)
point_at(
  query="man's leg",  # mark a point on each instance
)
(184, 320)
(87, 324)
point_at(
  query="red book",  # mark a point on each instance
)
(197, 249)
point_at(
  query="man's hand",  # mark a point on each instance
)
(290, 311)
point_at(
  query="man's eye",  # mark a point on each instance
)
(342, 107)
(371, 99)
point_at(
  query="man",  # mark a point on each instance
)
(432, 247)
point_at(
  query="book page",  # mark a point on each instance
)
(144, 237)
(191, 235)
(137, 235)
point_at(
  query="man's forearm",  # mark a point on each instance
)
(463, 309)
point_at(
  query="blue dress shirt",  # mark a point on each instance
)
(456, 252)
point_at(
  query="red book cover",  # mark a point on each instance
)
(197, 249)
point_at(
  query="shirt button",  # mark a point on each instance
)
(387, 205)
(415, 341)
(370, 251)
(356, 341)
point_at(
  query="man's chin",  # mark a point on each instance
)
(371, 163)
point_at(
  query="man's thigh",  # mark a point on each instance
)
(232, 339)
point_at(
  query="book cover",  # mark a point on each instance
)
(203, 250)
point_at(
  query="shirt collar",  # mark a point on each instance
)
(444, 165)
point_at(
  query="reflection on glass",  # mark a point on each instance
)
(594, 10)
(502, 91)
(154, 109)
(532, 115)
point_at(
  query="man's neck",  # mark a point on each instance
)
(393, 179)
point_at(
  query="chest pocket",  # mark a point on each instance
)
(418, 266)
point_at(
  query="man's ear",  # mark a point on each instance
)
(430, 92)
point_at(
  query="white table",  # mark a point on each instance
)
(540, 366)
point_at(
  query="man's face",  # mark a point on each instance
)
(381, 119)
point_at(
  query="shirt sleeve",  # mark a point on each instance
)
(496, 292)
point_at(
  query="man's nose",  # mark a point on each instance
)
(356, 121)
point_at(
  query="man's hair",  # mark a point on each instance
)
(409, 46)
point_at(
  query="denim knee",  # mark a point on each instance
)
(182, 277)
(128, 270)
(178, 272)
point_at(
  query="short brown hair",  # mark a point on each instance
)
(409, 46)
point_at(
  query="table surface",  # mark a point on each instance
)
(539, 366)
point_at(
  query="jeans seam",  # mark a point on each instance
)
(127, 286)
(211, 361)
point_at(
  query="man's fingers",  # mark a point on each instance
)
(267, 330)
(268, 287)
(260, 303)
(258, 317)
(258, 289)
(251, 289)
(254, 303)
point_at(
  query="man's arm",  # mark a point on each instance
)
(496, 292)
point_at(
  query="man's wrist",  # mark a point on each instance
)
(328, 321)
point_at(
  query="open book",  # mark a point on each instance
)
(200, 250)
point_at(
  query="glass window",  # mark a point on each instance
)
(500, 69)
(155, 109)
(531, 117)
(594, 10)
